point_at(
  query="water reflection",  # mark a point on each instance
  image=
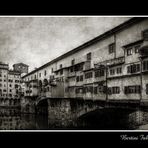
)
(12, 119)
(108, 119)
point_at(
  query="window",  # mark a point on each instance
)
(71, 69)
(112, 71)
(10, 90)
(0, 80)
(61, 71)
(4, 90)
(77, 78)
(39, 74)
(137, 67)
(51, 70)
(99, 73)
(16, 85)
(79, 90)
(88, 56)
(137, 48)
(132, 89)
(10, 80)
(102, 89)
(119, 70)
(145, 65)
(129, 51)
(0, 84)
(88, 75)
(133, 68)
(81, 78)
(147, 89)
(78, 67)
(10, 85)
(73, 62)
(45, 73)
(111, 48)
(0, 75)
(114, 90)
(88, 89)
(95, 90)
(60, 66)
(34, 76)
(16, 81)
(145, 34)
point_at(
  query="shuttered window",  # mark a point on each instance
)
(132, 89)
(114, 90)
(88, 75)
(99, 73)
(133, 68)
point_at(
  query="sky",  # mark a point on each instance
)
(37, 40)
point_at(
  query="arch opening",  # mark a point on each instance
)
(42, 107)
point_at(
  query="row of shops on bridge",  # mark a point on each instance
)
(112, 66)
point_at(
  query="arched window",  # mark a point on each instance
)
(40, 83)
(45, 82)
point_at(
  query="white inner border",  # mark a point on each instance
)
(74, 129)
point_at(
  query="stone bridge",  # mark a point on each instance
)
(64, 112)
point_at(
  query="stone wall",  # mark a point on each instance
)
(28, 105)
(65, 112)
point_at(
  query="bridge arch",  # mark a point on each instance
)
(41, 106)
(68, 111)
(109, 119)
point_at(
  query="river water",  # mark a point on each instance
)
(12, 119)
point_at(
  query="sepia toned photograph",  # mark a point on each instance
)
(73, 73)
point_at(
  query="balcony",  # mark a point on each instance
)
(75, 68)
(116, 61)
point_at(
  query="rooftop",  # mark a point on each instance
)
(20, 64)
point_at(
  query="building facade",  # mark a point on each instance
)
(10, 86)
(112, 66)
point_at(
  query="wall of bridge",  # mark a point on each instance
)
(64, 112)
